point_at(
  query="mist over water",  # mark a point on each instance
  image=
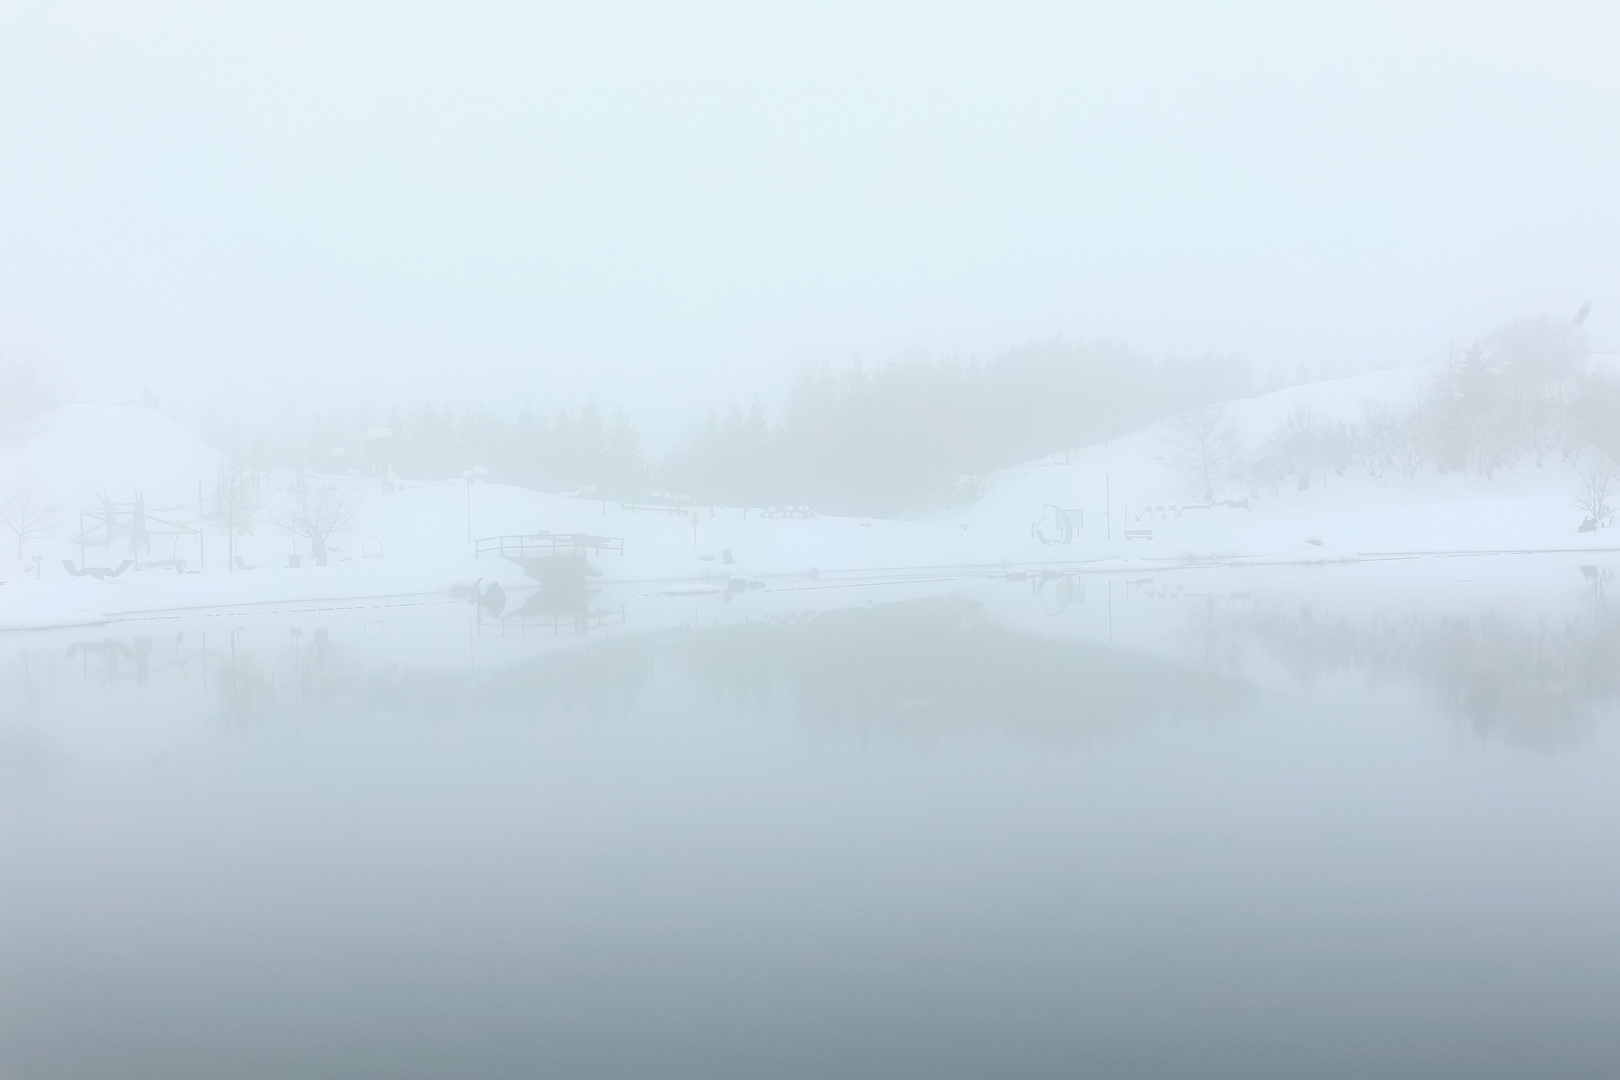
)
(1262, 822)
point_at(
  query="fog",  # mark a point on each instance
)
(867, 540)
(670, 205)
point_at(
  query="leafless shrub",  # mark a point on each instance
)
(1599, 482)
(1300, 447)
(235, 500)
(1384, 441)
(24, 511)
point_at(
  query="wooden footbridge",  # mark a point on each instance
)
(550, 558)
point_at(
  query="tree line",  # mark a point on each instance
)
(884, 438)
(1524, 395)
(900, 436)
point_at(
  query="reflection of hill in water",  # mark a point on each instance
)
(925, 667)
(934, 666)
(323, 680)
(1535, 681)
(940, 666)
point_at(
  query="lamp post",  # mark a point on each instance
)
(476, 472)
(467, 476)
(380, 439)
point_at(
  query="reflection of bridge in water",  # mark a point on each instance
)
(549, 614)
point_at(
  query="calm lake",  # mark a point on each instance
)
(1352, 821)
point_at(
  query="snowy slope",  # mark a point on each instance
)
(1131, 483)
(79, 451)
(406, 542)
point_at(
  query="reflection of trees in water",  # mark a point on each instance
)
(931, 667)
(1531, 681)
(24, 755)
(19, 685)
(941, 665)
(927, 666)
(316, 678)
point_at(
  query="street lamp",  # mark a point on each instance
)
(380, 439)
(476, 472)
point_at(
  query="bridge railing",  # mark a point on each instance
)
(544, 545)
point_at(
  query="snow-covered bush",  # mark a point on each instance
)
(1302, 446)
(1519, 395)
(1598, 484)
(1383, 441)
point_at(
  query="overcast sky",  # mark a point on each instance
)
(664, 204)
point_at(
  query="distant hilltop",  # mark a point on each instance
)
(79, 452)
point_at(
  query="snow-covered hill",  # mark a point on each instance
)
(1126, 502)
(410, 540)
(1130, 497)
(79, 452)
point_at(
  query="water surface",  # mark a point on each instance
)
(1280, 822)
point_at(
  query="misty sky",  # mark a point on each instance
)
(667, 204)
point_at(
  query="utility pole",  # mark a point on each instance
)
(1108, 497)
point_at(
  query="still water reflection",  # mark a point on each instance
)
(1353, 821)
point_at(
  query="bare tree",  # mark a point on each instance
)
(236, 499)
(316, 511)
(1203, 445)
(24, 511)
(1599, 482)
(1302, 444)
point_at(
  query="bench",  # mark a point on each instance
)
(1138, 534)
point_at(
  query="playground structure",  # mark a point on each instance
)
(113, 523)
(1058, 524)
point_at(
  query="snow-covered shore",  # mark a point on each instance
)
(1105, 507)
